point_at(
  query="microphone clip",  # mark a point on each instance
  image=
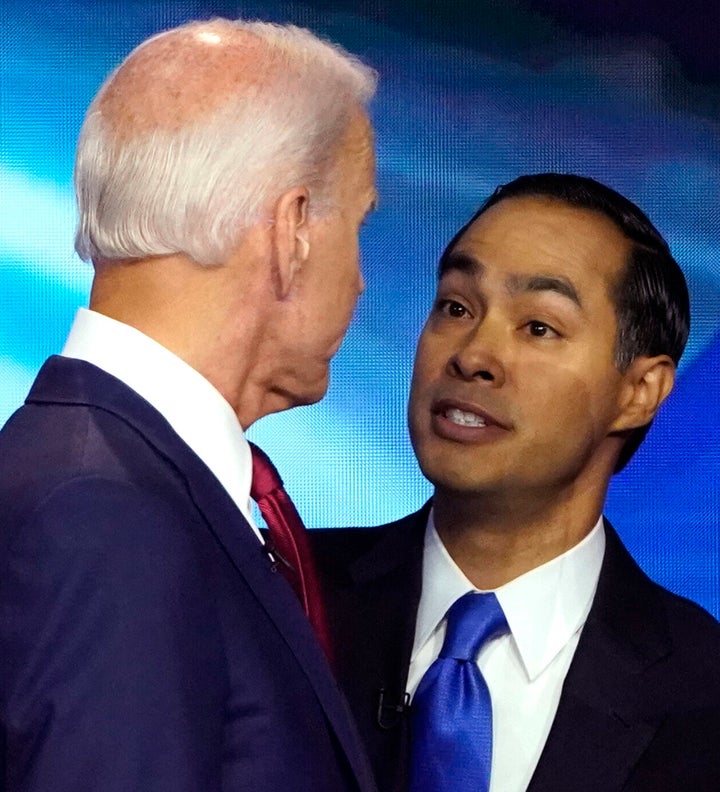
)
(390, 715)
(269, 550)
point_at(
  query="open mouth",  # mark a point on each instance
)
(465, 414)
(463, 417)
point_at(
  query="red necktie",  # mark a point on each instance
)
(289, 540)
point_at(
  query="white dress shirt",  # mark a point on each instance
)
(192, 406)
(524, 669)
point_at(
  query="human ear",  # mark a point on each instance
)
(290, 230)
(647, 383)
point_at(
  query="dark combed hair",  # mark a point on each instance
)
(651, 298)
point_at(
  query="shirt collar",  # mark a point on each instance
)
(544, 607)
(194, 408)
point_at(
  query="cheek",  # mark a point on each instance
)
(344, 242)
(423, 375)
(344, 274)
(419, 375)
(428, 357)
(419, 378)
(571, 404)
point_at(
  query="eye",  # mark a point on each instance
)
(451, 308)
(540, 329)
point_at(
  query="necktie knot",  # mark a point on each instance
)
(472, 620)
(265, 477)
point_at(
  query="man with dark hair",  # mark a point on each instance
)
(502, 638)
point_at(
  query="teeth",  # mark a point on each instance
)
(464, 418)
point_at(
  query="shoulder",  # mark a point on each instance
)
(90, 529)
(681, 692)
(101, 506)
(692, 628)
(343, 546)
(83, 464)
(628, 594)
(675, 640)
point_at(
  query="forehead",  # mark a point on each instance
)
(357, 146)
(541, 236)
(355, 159)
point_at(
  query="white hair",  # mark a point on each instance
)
(196, 189)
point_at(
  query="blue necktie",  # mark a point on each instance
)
(451, 710)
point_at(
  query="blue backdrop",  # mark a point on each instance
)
(472, 94)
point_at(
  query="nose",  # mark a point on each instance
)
(481, 355)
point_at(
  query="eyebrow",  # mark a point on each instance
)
(461, 262)
(543, 283)
(517, 284)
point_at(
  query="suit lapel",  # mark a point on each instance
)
(387, 581)
(75, 382)
(283, 608)
(599, 733)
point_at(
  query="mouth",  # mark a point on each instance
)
(464, 418)
(465, 422)
(466, 414)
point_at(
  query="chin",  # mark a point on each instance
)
(295, 393)
(312, 394)
(457, 474)
(306, 399)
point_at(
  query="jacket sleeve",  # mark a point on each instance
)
(112, 667)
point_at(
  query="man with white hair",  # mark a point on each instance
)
(222, 174)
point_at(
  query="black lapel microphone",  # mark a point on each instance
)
(389, 715)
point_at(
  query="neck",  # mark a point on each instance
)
(495, 539)
(204, 315)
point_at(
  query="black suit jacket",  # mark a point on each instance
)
(146, 644)
(640, 706)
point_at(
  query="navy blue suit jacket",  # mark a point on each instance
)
(146, 644)
(640, 706)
